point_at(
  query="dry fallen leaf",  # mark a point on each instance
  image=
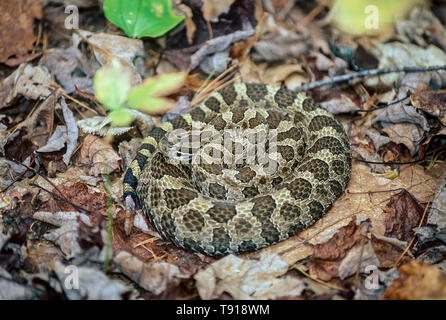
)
(154, 277)
(99, 156)
(11, 289)
(277, 43)
(398, 54)
(108, 47)
(66, 236)
(403, 214)
(32, 82)
(430, 101)
(213, 8)
(406, 133)
(418, 280)
(17, 30)
(93, 284)
(357, 200)
(346, 242)
(248, 279)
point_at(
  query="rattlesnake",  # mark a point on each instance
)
(250, 199)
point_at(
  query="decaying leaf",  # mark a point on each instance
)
(342, 103)
(69, 68)
(66, 236)
(99, 156)
(430, 101)
(398, 54)
(11, 289)
(277, 43)
(31, 82)
(72, 131)
(100, 126)
(403, 214)
(418, 280)
(437, 212)
(154, 277)
(108, 47)
(407, 134)
(92, 284)
(213, 8)
(248, 279)
(17, 36)
(346, 245)
(421, 27)
(218, 44)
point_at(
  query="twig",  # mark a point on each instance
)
(388, 104)
(308, 18)
(323, 283)
(61, 198)
(365, 73)
(376, 191)
(389, 162)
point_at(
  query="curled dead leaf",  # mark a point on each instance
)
(418, 280)
(430, 101)
(403, 214)
(17, 30)
(344, 245)
(99, 156)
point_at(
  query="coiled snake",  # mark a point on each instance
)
(248, 167)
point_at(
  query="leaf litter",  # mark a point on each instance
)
(61, 186)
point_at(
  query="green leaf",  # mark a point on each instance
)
(120, 117)
(142, 18)
(112, 84)
(147, 96)
(154, 105)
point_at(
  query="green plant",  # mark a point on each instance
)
(142, 18)
(112, 85)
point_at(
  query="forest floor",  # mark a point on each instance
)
(63, 223)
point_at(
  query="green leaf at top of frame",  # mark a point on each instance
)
(142, 18)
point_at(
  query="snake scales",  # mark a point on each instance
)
(219, 197)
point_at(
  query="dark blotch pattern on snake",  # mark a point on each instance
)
(256, 199)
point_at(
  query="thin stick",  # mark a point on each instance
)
(326, 284)
(60, 197)
(363, 74)
(79, 103)
(75, 206)
(388, 104)
(308, 18)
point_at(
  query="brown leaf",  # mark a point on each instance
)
(212, 9)
(329, 255)
(386, 252)
(430, 101)
(80, 195)
(17, 30)
(403, 214)
(407, 134)
(418, 280)
(99, 156)
(19, 147)
(32, 82)
(53, 163)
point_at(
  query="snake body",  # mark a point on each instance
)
(218, 198)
